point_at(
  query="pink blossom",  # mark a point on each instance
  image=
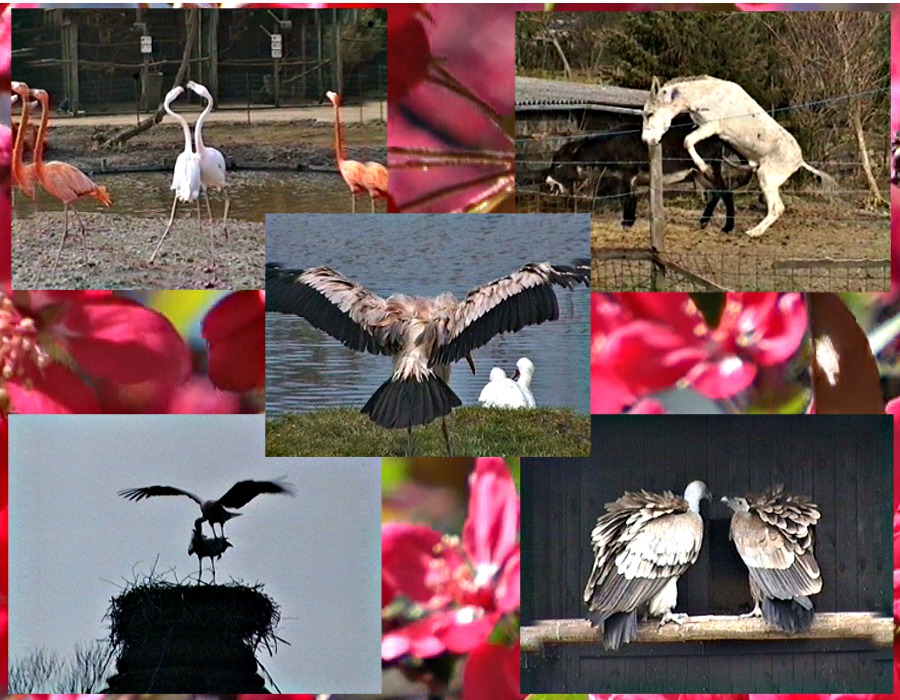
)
(59, 348)
(461, 586)
(234, 329)
(643, 342)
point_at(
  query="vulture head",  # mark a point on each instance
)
(738, 505)
(695, 491)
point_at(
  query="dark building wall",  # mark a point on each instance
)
(844, 463)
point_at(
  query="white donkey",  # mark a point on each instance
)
(724, 109)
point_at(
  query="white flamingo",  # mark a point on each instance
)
(186, 177)
(212, 162)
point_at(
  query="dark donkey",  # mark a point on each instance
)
(622, 154)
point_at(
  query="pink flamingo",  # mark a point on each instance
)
(368, 177)
(61, 180)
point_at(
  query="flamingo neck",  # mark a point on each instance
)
(38, 159)
(16, 166)
(188, 148)
(338, 138)
(198, 127)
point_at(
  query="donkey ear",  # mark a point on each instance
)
(654, 86)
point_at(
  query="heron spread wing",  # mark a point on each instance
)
(332, 303)
(148, 491)
(524, 298)
(245, 491)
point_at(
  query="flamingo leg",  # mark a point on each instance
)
(352, 203)
(65, 235)
(446, 429)
(212, 239)
(409, 441)
(225, 217)
(83, 237)
(373, 203)
(212, 561)
(168, 226)
(200, 572)
(208, 208)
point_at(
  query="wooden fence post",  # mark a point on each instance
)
(657, 218)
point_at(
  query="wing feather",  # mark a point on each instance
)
(642, 542)
(245, 491)
(148, 491)
(523, 298)
(347, 311)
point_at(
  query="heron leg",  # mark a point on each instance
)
(168, 226)
(409, 441)
(212, 562)
(446, 429)
(65, 235)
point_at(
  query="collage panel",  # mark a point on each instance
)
(451, 115)
(605, 102)
(737, 353)
(117, 105)
(107, 551)
(501, 292)
(450, 579)
(641, 565)
(491, 109)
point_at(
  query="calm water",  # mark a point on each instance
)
(426, 255)
(253, 195)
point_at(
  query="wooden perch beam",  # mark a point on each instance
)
(844, 625)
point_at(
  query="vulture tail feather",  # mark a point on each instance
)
(619, 629)
(795, 615)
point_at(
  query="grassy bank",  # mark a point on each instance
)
(476, 432)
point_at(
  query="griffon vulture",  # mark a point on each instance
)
(774, 533)
(214, 511)
(423, 335)
(641, 546)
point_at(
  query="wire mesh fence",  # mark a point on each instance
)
(642, 270)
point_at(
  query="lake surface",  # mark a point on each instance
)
(426, 255)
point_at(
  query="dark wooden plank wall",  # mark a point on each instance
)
(845, 463)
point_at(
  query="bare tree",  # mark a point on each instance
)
(839, 55)
(119, 139)
(45, 671)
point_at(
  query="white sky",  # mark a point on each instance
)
(74, 542)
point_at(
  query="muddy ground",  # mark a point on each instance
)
(118, 248)
(812, 228)
(120, 244)
(809, 230)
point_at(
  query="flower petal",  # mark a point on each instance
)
(406, 551)
(492, 524)
(235, 331)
